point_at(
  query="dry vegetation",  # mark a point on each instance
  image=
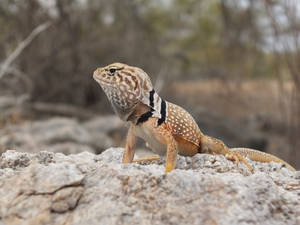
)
(236, 100)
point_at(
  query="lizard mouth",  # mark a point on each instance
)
(97, 77)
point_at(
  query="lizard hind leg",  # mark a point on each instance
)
(147, 159)
(236, 157)
(216, 146)
(260, 156)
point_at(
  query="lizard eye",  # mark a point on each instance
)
(112, 71)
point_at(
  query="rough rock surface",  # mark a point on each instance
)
(51, 188)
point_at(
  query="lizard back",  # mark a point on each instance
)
(182, 124)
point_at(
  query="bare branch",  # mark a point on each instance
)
(161, 78)
(6, 64)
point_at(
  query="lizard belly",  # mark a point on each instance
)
(155, 145)
(185, 147)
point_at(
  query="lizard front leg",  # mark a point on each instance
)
(130, 145)
(171, 152)
(215, 146)
(163, 134)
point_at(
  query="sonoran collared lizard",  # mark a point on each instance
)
(167, 128)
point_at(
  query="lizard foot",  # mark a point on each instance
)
(236, 157)
(147, 159)
(169, 167)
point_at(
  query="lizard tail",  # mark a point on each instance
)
(260, 156)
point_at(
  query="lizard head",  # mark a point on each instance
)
(125, 86)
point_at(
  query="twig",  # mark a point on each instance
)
(6, 64)
(159, 82)
(60, 109)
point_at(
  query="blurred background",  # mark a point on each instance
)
(233, 64)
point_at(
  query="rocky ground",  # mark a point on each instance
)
(55, 176)
(52, 188)
(62, 134)
(70, 135)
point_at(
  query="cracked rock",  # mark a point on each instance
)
(52, 188)
(66, 199)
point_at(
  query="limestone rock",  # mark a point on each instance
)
(52, 188)
(104, 124)
(59, 134)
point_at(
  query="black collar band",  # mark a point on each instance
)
(144, 117)
(163, 107)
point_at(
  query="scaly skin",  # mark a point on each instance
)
(166, 127)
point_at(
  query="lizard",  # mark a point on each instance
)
(168, 129)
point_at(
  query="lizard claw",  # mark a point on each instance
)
(237, 158)
(232, 157)
(169, 168)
